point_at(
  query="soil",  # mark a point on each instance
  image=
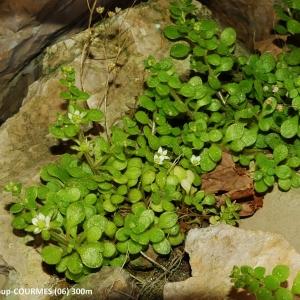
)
(174, 267)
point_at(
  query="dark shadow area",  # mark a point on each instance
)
(252, 19)
(240, 295)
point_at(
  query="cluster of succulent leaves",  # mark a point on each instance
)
(110, 200)
(247, 105)
(113, 198)
(266, 287)
(288, 13)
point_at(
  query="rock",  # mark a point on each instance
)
(215, 250)
(8, 278)
(109, 284)
(26, 28)
(253, 19)
(24, 148)
(280, 214)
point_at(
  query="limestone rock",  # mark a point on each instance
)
(8, 278)
(215, 250)
(110, 284)
(279, 214)
(26, 27)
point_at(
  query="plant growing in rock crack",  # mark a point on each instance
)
(266, 287)
(113, 198)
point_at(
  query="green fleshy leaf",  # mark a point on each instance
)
(142, 117)
(91, 255)
(162, 247)
(296, 284)
(147, 103)
(260, 186)
(74, 264)
(93, 234)
(285, 184)
(234, 132)
(177, 239)
(283, 294)
(206, 163)
(109, 249)
(215, 153)
(156, 235)
(16, 208)
(171, 32)
(280, 153)
(94, 115)
(96, 220)
(228, 36)
(69, 194)
(293, 26)
(283, 172)
(134, 247)
(144, 221)
(167, 220)
(180, 50)
(281, 272)
(19, 223)
(75, 214)
(51, 254)
(289, 127)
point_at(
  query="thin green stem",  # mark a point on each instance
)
(58, 238)
(88, 158)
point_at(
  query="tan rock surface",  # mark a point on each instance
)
(215, 250)
(279, 214)
(26, 27)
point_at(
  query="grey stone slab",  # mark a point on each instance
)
(280, 214)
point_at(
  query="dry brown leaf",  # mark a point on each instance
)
(229, 180)
(268, 45)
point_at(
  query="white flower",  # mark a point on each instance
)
(160, 156)
(100, 10)
(275, 88)
(117, 10)
(76, 116)
(41, 222)
(265, 88)
(195, 160)
(111, 14)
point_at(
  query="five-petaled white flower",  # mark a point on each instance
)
(275, 88)
(195, 160)
(41, 222)
(160, 156)
(76, 116)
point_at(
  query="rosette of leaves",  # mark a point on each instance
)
(263, 286)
